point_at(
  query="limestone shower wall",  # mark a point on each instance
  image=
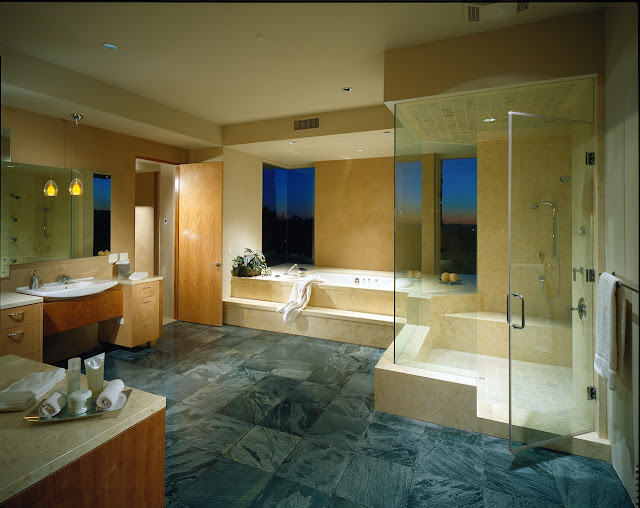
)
(537, 170)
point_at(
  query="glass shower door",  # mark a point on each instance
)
(550, 302)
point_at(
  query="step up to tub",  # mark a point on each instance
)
(487, 333)
(342, 325)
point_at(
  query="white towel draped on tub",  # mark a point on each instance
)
(298, 300)
(610, 328)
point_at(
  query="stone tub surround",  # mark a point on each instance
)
(31, 451)
(330, 296)
(339, 325)
(357, 315)
(10, 300)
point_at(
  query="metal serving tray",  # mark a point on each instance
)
(64, 416)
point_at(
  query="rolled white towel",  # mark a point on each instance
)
(15, 400)
(53, 405)
(109, 395)
(38, 382)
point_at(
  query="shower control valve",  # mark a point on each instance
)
(581, 308)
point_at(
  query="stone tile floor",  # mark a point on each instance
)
(264, 419)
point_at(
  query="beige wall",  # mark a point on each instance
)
(331, 122)
(48, 141)
(354, 214)
(538, 165)
(166, 234)
(145, 223)
(621, 201)
(551, 49)
(430, 213)
(241, 209)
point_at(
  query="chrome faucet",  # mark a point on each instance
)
(64, 279)
(295, 265)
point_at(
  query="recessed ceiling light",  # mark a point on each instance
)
(259, 36)
(386, 132)
(359, 150)
(346, 89)
(292, 142)
(490, 119)
(109, 45)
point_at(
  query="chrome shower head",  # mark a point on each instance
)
(565, 179)
(553, 206)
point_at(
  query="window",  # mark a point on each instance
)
(287, 215)
(459, 217)
(101, 213)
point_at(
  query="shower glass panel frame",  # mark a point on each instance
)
(550, 249)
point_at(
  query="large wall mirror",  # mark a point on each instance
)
(48, 215)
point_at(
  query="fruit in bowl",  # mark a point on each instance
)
(453, 277)
(444, 277)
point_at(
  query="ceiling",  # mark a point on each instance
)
(208, 59)
(484, 116)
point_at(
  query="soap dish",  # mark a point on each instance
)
(92, 412)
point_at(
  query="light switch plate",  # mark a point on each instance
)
(124, 255)
(113, 258)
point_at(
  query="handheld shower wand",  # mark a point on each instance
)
(554, 231)
(555, 248)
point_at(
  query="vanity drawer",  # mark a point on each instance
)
(21, 340)
(144, 331)
(20, 315)
(145, 308)
(146, 289)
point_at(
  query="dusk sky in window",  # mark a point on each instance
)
(459, 191)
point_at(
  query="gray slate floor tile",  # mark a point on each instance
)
(283, 493)
(315, 465)
(263, 448)
(225, 484)
(375, 483)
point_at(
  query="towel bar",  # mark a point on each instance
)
(628, 286)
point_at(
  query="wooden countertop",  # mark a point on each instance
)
(30, 452)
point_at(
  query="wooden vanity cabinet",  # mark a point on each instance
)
(142, 313)
(22, 332)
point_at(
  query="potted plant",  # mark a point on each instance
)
(250, 264)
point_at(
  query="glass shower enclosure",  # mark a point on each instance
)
(550, 279)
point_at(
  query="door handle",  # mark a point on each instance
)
(513, 325)
(216, 263)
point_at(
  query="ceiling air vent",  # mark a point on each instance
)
(309, 123)
(481, 12)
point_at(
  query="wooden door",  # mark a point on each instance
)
(199, 243)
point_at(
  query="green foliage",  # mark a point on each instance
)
(250, 264)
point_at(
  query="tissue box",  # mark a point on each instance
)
(124, 269)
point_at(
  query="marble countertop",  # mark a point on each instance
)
(30, 451)
(134, 282)
(11, 300)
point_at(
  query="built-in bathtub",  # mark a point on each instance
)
(359, 279)
(354, 306)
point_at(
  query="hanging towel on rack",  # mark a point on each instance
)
(298, 300)
(610, 328)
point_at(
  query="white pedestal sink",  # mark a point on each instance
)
(72, 289)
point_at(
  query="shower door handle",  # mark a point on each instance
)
(513, 325)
